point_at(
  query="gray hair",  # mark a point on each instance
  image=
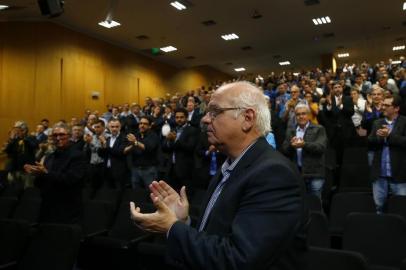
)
(252, 97)
(63, 125)
(302, 105)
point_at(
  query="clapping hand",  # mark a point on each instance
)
(171, 207)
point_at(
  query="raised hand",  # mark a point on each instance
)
(178, 203)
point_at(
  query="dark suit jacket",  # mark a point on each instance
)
(397, 148)
(130, 124)
(61, 187)
(313, 151)
(119, 168)
(196, 117)
(338, 123)
(183, 149)
(256, 223)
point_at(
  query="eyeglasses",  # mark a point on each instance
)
(213, 112)
(386, 105)
(55, 135)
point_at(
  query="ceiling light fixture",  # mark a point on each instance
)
(239, 69)
(3, 7)
(230, 36)
(397, 62)
(399, 48)
(321, 20)
(178, 5)
(285, 63)
(342, 55)
(168, 49)
(109, 24)
(404, 6)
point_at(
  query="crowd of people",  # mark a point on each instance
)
(133, 145)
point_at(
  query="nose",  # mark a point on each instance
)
(206, 119)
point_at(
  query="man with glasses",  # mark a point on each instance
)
(388, 138)
(253, 215)
(60, 179)
(305, 145)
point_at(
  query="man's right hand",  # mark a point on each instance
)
(177, 202)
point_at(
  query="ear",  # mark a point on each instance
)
(249, 120)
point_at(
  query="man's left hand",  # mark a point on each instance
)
(158, 222)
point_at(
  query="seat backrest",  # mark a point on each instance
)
(31, 193)
(97, 216)
(138, 195)
(313, 203)
(53, 246)
(123, 227)
(355, 177)
(344, 203)
(355, 155)
(28, 210)
(318, 234)
(332, 259)
(397, 205)
(380, 238)
(14, 237)
(7, 206)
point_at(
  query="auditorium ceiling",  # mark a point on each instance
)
(269, 31)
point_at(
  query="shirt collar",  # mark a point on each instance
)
(298, 128)
(229, 166)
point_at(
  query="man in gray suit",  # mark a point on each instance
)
(305, 145)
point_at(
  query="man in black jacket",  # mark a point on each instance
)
(60, 178)
(254, 216)
(112, 151)
(388, 137)
(305, 145)
(143, 148)
(181, 144)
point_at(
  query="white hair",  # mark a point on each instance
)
(302, 105)
(252, 97)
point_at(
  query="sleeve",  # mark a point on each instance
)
(319, 145)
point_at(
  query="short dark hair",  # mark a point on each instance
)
(101, 122)
(146, 117)
(396, 100)
(181, 110)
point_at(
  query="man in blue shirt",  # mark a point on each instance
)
(388, 137)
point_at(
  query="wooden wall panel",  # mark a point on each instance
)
(47, 88)
(50, 71)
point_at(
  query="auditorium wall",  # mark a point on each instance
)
(47, 70)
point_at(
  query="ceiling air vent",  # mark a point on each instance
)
(209, 23)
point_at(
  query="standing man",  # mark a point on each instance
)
(388, 137)
(112, 151)
(181, 144)
(305, 145)
(92, 147)
(254, 214)
(60, 178)
(144, 147)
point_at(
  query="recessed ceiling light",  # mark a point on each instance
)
(178, 5)
(341, 55)
(168, 49)
(285, 63)
(321, 20)
(399, 48)
(3, 7)
(397, 62)
(230, 36)
(239, 69)
(109, 24)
